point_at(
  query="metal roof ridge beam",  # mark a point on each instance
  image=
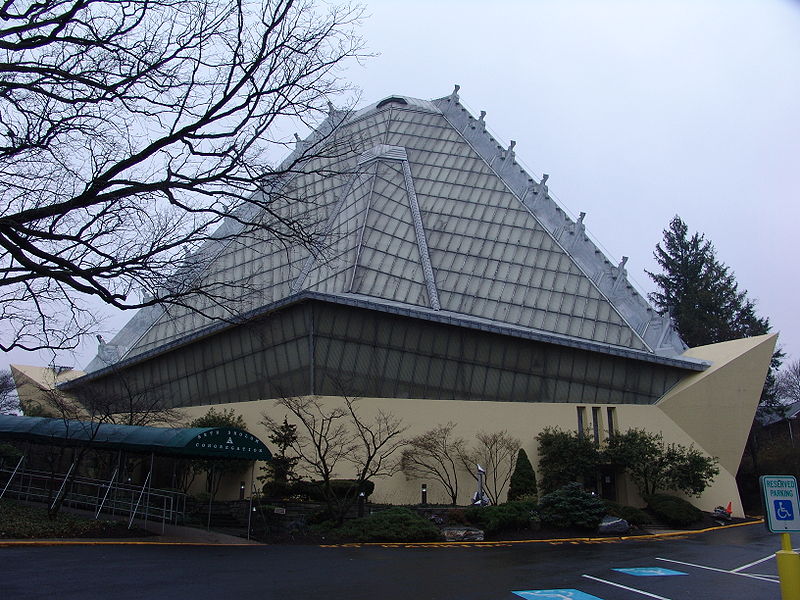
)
(422, 240)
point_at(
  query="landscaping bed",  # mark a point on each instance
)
(21, 521)
(567, 513)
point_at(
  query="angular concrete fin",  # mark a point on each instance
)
(716, 407)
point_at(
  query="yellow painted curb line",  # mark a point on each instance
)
(501, 543)
(495, 544)
(8, 543)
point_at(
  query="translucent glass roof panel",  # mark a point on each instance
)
(491, 258)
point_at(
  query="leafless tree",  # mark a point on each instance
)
(330, 436)
(497, 453)
(134, 133)
(787, 383)
(8, 396)
(434, 455)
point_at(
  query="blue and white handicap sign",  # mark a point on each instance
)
(565, 594)
(780, 503)
(783, 510)
(650, 572)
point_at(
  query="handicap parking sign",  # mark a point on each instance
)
(781, 503)
(783, 510)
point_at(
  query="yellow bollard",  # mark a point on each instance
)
(788, 569)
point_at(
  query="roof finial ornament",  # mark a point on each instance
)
(543, 184)
(331, 108)
(482, 119)
(621, 265)
(510, 151)
(454, 95)
(580, 218)
(298, 142)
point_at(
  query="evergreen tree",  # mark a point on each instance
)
(700, 292)
(279, 473)
(701, 295)
(523, 480)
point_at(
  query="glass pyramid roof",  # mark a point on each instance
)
(425, 211)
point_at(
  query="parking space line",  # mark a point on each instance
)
(754, 563)
(678, 562)
(625, 587)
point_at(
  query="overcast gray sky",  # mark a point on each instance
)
(637, 110)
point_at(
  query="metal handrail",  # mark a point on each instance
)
(133, 514)
(85, 493)
(63, 483)
(8, 483)
(108, 489)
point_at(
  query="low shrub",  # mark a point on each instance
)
(675, 512)
(278, 489)
(571, 506)
(391, 525)
(634, 516)
(456, 516)
(510, 516)
(19, 521)
(341, 488)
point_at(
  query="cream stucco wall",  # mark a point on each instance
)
(712, 410)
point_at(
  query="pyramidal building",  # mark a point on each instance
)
(444, 285)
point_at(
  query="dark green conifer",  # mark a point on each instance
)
(523, 480)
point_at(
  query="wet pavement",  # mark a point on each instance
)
(728, 564)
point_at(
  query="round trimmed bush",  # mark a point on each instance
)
(392, 525)
(675, 512)
(511, 516)
(633, 515)
(571, 506)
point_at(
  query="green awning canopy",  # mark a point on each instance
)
(205, 442)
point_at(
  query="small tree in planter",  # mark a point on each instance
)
(330, 435)
(655, 466)
(433, 455)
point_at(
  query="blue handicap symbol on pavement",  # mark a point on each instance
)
(783, 510)
(649, 572)
(567, 594)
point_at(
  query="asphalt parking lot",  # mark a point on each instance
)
(726, 564)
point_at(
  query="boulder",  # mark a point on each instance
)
(613, 526)
(462, 534)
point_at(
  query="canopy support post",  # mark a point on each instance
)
(210, 497)
(252, 491)
(149, 485)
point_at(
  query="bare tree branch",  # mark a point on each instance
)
(434, 455)
(497, 453)
(132, 131)
(9, 404)
(787, 383)
(329, 436)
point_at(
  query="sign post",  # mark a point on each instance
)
(782, 513)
